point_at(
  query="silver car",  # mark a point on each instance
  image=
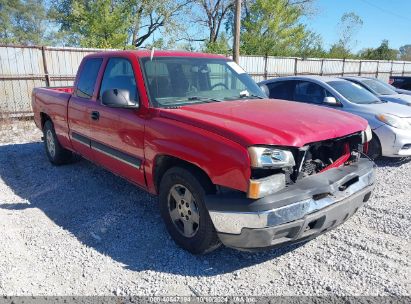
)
(390, 122)
(381, 89)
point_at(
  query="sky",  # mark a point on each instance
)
(383, 19)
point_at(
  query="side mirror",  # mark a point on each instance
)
(331, 101)
(118, 98)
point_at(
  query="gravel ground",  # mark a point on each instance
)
(80, 230)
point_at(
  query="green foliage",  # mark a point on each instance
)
(338, 50)
(272, 27)
(116, 23)
(99, 23)
(23, 22)
(405, 52)
(220, 46)
(383, 52)
(311, 46)
(348, 27)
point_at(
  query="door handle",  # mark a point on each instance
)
(95, 115)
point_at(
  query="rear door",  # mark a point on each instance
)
(281, 89)
(309, 92)
(117, 134)
(79, 113)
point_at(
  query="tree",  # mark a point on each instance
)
(212, 16)
(220, 46)
(383, 52)
(148, 16)
(311, 46)
(405, 52)
(109, 30)
(88, 23)
(23, 22)
(116, 23)
(272, 27)
(348, 27)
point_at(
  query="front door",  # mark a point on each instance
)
(117, 134)
(79, 113)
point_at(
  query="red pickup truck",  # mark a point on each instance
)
(229, 166)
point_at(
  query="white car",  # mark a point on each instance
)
(390, 122)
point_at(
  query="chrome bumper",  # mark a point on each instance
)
(331, 189)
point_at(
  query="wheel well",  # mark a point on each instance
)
(44, 117)
(375, 137)
(165, 162)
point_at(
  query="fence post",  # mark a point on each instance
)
(46, 72)
(376, 72)
(392, 66)
(265, 67)
(322, 67)
(403, 68)
(359, 71)
(295, 66)
(343, 67)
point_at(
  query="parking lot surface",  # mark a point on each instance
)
(80, 230)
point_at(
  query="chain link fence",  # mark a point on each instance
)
(23, 68)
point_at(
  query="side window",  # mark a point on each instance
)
(119, 75)
(309, 92)
(281, 90)
(88, 77)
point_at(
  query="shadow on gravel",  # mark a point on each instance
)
(108, 214)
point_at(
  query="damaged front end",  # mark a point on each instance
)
(274, 168)
(295, 195)
(322, 156)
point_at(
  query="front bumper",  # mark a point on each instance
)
(301, 211)
(394, 142)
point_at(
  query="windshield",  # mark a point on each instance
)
(378, 87)
(177, 81)
(388, 86)
(353, 92)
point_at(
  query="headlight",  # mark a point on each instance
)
(265, 186)
(394, 121)
(265, 157)
(366, 135)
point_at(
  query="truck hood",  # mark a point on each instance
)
(397, 98)
(268, 121)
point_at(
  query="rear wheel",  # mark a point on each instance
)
(374, 148)
(184, 213)
(56, 154)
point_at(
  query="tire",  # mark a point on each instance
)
(178, 215)
(56, 154)
(374, 148)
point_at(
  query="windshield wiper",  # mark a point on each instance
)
(376, 101)
(205, 99)
(251, 96)
(197, 98)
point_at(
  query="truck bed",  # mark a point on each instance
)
(52, 102)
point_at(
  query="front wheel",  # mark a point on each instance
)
(374, 148)
(56, 154)
(184, 213)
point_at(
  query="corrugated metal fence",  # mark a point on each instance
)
(22, 68)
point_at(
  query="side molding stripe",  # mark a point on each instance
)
(81, 139)
(111, 152)
(121, 156)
